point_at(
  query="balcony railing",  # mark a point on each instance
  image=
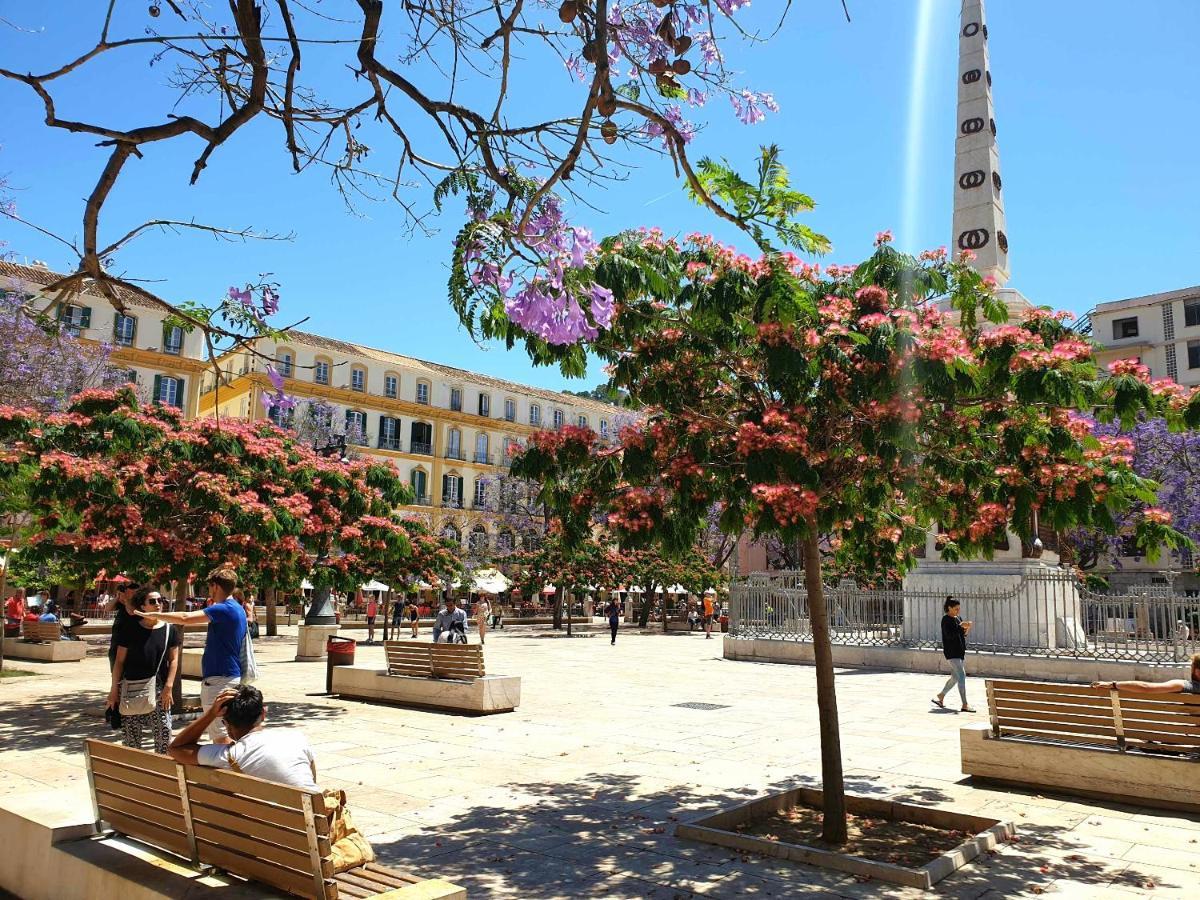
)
(452, 502)
(456, 453)
(484, 459)
(422, 500)
(359, 440)
(389, 443)
(418, 447)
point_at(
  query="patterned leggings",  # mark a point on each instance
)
(160, 725)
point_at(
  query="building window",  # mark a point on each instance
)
(1125, 328)
(452, 486)
(558, 419)
(456, 399)
(1191, 312)
(75, 319)
(391, 386)
(485, 405)
(604, 428)
(454, 444)
(321, 372)
(504, 542)
(477, 541)
(168, 390)
(422, 391)
(284, 365)
(389, 433)
(124, 329)
(356, 426)
(510, 410)
(420, 439)
(358, 379)
(172, 339)
(582, 422)
(1194, 354)
(535, 414)
(480, 493)
(281, 417)
(481, 449)
(420, 485)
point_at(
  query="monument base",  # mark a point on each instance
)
(310, 646)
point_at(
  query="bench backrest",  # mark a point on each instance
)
(41, 631)
(423, 659)
(140, 794)
(1068, 712)
(268, 832)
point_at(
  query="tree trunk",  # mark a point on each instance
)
(387, 613)
(570, 611)
(833, 787)
(647, 605)
(558, 607)
(272, 603)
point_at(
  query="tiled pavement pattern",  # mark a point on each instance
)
(576, 793)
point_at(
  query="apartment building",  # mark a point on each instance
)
(1162, 331)
(448, 432)
(163, 360)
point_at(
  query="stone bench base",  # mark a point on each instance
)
(190, 664)
(1143, 779)
(50, 651)
(489, 694)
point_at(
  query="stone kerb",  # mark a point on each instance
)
(47, 651)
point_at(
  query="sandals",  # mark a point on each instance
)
(967, 709)
(938, 702)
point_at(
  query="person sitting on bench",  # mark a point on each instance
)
(1189, 685)
(274, 754)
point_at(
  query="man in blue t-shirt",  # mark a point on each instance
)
(221, 666)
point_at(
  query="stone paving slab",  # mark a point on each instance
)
(577, 793)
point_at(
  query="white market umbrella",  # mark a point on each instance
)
(374, 585)
(306, 585)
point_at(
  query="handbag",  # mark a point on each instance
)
(139, 695)
(348, 848)
(246, 660)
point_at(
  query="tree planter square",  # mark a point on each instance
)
(985, 835)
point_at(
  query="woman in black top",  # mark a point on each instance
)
(146, 650)
(954, 648)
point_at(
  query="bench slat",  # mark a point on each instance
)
(167, 818)
(149, 780)
(355, 886)
(239, 785)
(223, 858)
(1005, 716)
(1033, 725)
(296, 861)
(1041, 697)
(201, 797)
(117, 788)
(1184, 704)
(265, 831)
(1041, 687)
(148, 832)
(136, 759)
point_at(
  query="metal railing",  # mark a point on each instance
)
(456, 453)
(483, 459)
(418, 447)
(1045, 613)
(389, 443)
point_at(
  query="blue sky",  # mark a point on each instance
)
(1097, 108)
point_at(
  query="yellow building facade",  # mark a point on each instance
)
(164, 361)
(448, 432)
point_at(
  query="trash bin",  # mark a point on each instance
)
(724, 624)
(339, 651)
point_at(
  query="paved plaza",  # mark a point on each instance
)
(576, 794)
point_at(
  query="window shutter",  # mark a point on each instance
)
(158, 388)
(460, 488)
(179, 386)
(85, 317)
(445, 487)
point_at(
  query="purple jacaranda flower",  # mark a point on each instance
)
(246, 298)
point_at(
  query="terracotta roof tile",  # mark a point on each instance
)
(43, 276)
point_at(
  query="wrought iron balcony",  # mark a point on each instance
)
(389, 443)
(418, 447)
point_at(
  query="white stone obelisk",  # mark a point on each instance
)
(978, 197)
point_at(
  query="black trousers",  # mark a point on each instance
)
(612, 626)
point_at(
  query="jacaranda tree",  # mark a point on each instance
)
(855, 406)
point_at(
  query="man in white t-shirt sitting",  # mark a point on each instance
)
(274, 754)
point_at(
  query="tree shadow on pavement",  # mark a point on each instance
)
(604, 835)
(62, 722)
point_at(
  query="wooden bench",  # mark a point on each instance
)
(436, 676)
(422, 659)
(41, 631)
(266, 832)
(1137, 747)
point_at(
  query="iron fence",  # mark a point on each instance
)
(1045, 612)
